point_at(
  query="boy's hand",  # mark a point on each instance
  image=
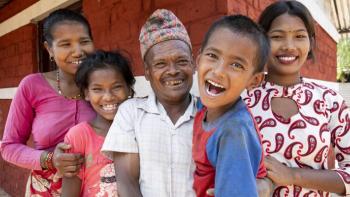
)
(278, 172)
(211, 192)
(67, 164)
(264, 186)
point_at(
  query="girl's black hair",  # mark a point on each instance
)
(246, 27)
(293, 8)
(104, 60)
(61, 16)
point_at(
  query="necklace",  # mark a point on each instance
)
(78, 96)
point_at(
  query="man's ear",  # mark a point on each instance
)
(256, 80)
(147, 71)
(48, 48)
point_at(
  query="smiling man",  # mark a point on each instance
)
(150, 139)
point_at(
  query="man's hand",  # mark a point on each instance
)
(67, 164)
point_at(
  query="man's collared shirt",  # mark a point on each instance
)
(143, 126)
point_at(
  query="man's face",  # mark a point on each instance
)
(169, 69)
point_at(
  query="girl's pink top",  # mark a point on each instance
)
(38, 110)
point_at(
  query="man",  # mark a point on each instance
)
(150, 139)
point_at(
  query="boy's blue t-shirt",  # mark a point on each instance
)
(227, 153)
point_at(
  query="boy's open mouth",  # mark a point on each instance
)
(213, 88)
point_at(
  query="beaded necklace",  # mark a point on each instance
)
(78, 96)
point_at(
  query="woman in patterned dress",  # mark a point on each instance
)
(299, 119)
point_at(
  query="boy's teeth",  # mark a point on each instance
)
(215, 84)
(76, 62)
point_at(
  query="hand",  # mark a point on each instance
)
(67, 164)
(278, 172)
(265, 187)
(211, 192)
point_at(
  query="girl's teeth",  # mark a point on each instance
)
(285, 58)
(109, 107)
(215, 84)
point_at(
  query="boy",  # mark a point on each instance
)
(226, 145)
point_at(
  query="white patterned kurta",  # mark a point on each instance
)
(304, 139)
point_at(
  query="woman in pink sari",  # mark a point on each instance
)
(46, 105)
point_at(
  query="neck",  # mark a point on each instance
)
(101, 125)
(283, 80)
(65, 77)
(176, 109)
(215, 113)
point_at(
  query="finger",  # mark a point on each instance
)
(69, 157)
(71, 168)
(70, 174)
(211, 192)
(63, 164)
(63, 146)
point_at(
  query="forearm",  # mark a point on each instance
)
(128, 186)
(324, 180)
(127, 167)
(71, 187)
(22, 155)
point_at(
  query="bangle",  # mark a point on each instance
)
(43, 159)
(48, 161)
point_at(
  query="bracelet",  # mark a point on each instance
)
(43, 159)
(49, 161)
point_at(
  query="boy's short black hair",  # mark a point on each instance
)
(293, 8)
(244, 26)
(60, 16)
(104, 60)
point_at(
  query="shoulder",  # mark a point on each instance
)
(132, 104)
(239, 123)
(77, 130)
(322, 92)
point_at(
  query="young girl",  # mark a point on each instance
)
(299, 119)
(46, 105)
(105, 80)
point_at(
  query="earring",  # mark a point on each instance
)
(51, 59)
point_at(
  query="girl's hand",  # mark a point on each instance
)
(278, 172)
(67, 164)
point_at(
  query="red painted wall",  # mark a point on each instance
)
(14, 7)
(116, 24)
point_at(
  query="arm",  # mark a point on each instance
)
(335, 181)
(234, 155)
(121, 146)
(127, 166)
(18, 130)
(324, 180)
(71, 187)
